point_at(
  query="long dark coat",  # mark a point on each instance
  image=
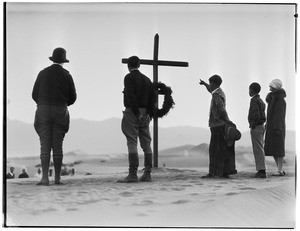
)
(274, 143)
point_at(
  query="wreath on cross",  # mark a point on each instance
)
(168, 99)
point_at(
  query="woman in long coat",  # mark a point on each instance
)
(275, 127)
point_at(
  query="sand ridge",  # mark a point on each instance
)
(177, 197)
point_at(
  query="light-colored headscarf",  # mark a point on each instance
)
(276, 84)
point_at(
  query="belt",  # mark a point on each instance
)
(142, 110)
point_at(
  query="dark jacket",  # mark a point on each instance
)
(275, 126)
(138, 92)
(10, 175)
(23, 175)
(256, 115)
(54, 86)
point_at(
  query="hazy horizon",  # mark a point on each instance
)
(106, 137)
(151, 123)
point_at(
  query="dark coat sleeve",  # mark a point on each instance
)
(279, 120)
(72, 92)
(152, 101)
(36, 88)
(131, 95)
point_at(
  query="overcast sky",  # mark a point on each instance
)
(242, 43)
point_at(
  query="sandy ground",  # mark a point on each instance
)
(177, 197)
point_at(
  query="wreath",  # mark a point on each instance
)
(168, 100)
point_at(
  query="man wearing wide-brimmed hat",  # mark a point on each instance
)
(53, 91)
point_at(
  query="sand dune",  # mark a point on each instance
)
(177, 197)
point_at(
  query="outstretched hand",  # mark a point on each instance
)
(201, 82)
(205, 84)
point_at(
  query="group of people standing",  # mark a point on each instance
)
(267, 139)
(54, 91)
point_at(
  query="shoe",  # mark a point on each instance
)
(225, 175)
(279, 173)
(129, 179)
(146, 177)
(260, 175)
(209, 175)
(133, 167)
(58, 182)
(43, 182)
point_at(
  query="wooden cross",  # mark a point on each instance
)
(155, 63)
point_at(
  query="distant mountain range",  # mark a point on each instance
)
(106, 137)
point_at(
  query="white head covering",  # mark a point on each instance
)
(276, 84)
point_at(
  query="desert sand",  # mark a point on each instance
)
(177, 197)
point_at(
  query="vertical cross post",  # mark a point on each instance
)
(155, 119)
(155, 63)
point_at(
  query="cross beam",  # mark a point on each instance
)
(155, 63)
(160, 62)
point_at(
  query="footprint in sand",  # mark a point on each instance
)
(231, 194)
(247, 188)
(180, 202)
(177, 189)
(217, 186)
(71, 209)
(199, 183)
(145, 202)
(126, 194)
(194, 194)
(209, 200)
(142, 214)
(223, 182)
(187, 185)
(44, 210)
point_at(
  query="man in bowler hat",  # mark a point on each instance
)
(139, 101)
(53, 91)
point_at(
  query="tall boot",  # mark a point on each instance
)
(146, 177)
(45, 161)
(57, 161)
(133, 167)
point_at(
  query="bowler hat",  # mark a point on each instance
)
(59, 55)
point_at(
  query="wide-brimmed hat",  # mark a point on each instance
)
(232, 133)
(59, 55)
